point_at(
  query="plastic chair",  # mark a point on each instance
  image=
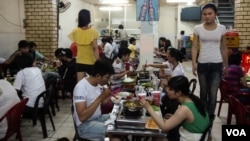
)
(40, 112)
(224, 91)
(3, 69)
(192, 83)
(241, 111)
(14, 116)
(66, 87)
(206, 135)
(51, 86)
(76, 136)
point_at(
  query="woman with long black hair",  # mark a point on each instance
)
(85, 38)
(210, 43)
(191, 114)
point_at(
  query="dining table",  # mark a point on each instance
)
(142, 126)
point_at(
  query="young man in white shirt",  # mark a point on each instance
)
(89, 94)
(30, 82)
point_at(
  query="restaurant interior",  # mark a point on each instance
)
(170, 17)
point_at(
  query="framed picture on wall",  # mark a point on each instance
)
(147, 10)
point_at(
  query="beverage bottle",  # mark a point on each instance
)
(151, 11)
(143, 11)
(8, 75)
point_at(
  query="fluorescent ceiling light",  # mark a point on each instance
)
(189, 3)
(111, 8)
(114, 1)
(180, 1)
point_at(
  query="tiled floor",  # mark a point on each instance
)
(64, 124)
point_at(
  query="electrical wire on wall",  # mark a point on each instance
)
(12, 23)
(6, 20)
(19, 16)
(60, 33)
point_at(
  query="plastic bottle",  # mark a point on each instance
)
(154, 79)
(106, 139)
(8, 75)
(151, 11)
(143, 11)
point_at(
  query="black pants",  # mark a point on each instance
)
(124, 43)
(28, 112)
(183, 51)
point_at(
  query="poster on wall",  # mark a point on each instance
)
(147, 10)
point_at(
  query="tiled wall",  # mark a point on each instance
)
(242, 21)
(41, 24)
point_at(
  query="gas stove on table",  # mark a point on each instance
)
(131, 120)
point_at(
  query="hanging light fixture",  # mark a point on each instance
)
(111, 8)
(114, 1)
(180, 1)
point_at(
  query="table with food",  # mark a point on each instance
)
(128, 117)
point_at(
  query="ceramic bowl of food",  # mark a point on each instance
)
(124, 94)
(128, 80)
(132, 105)
(116, 99)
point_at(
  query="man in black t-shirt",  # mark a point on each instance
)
(13, 61)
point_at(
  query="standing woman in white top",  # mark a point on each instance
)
(212, 60)
(108, 50)
(170, 68)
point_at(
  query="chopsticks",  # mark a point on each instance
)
(108, 86)
(115, 97)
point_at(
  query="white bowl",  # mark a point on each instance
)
(124, 94)
(116, 100)
(128, 80)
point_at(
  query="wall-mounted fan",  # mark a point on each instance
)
(63, 6)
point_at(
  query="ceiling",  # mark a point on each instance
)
(97, 2)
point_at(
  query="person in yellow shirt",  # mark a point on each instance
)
(86, 41)
(133, 49)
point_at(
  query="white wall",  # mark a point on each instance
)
(167, 25)
(11, 26)
(68, 20)
(12, 15)
(183, 25)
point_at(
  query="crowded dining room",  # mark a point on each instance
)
(124, 70)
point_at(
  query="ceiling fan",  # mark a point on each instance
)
(63, 6)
